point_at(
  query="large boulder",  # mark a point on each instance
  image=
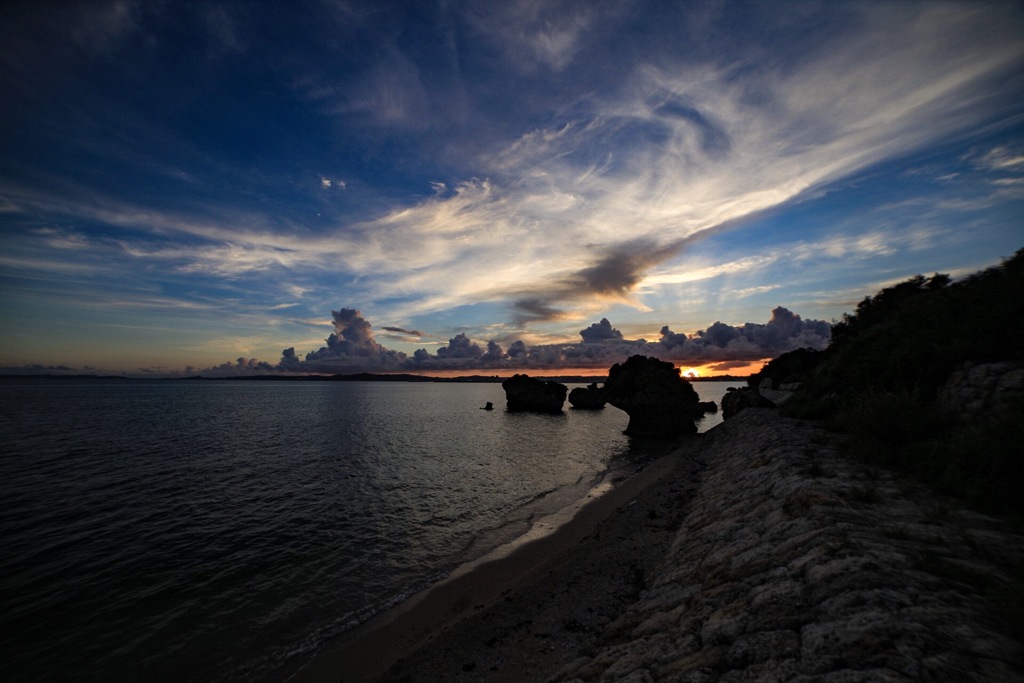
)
(528, 394)
(736, 400)
(707, 407)
(589, 398)
(658, 401)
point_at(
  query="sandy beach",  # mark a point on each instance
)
(519, 613)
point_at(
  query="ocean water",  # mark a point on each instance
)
(184, 530)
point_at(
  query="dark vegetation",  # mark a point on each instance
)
(879, 383)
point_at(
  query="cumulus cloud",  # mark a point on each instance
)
(784, 331)
(725, 345)
(241, 367)
(599, 332)
(494, 353)
(352, 348)
(460, 353)
(290, 361)
(352, 345)
(460, 346)
(517, 349)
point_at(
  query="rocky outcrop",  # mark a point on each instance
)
(587, 398)
(529, 394)
(707, 407)
(658, 401)
(987, 390)
(795, 563)
(736, 400)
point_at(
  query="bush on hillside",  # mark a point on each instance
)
(879, 379)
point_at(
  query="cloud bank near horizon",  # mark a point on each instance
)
(352, 348)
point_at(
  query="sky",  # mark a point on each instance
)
(528, 186)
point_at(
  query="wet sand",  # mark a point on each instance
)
(528, 609)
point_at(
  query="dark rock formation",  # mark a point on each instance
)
(589, 398)
(736, 400)
(528, 394)
(707, 407)
(658, 401)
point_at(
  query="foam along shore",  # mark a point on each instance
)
(369, 651)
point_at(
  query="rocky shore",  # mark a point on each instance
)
(763, 555)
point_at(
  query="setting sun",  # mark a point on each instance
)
(712, 370)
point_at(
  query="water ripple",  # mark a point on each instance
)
(220, 530)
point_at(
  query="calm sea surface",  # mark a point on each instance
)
(181, 530)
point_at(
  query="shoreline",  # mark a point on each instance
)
(759, 552)
(369, 651)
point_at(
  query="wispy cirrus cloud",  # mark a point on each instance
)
(511, 171)
(695, 148)
(668, 155)
(1002, 158)
(534, 34)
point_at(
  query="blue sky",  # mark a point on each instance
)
(469, 185)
